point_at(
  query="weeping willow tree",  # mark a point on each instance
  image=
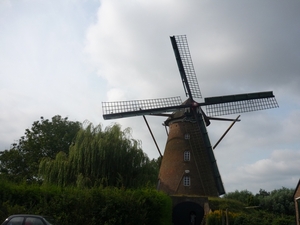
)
(109, 157)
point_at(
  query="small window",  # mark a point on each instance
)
(16, 220)
(187, 156)
(187, 136)
(186, 181)
(33, 221)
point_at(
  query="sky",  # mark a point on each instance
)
(67, 57)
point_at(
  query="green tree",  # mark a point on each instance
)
(262, 193)
(12, 165)
(45, 139)
(279, 201)
(108, 157)
(243, 196)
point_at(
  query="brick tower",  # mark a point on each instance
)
(188, 166)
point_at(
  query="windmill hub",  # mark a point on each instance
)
(195, 104)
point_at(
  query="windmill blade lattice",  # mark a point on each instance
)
(232, 104)
(202, 146)
(185, 66)
(122, 109)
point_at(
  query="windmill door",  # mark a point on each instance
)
(187, 213)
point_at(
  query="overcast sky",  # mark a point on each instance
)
(66, 57)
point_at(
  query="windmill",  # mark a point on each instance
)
(189, 166)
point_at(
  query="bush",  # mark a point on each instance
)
(220, 217)
(72, 206)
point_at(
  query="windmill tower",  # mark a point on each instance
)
(189, 166)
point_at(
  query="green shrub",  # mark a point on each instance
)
(87, 206)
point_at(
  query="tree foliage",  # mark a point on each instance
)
(243, 196)
(240, 213)
(45, 139)
(13, 165)
(75, 206)
(279, 201)
(108, 157)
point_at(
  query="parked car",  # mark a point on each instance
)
(27, 219)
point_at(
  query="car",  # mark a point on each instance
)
(28, 219)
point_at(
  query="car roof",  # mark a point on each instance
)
(31, 215)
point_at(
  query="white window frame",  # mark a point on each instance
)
(187, 156)
(186, 181)
(187, 136)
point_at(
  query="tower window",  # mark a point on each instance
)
(187, 155)
(186, 181)
(187, 136)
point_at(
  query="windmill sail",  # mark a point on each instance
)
(122, 109)
(231, 104)
(185, 66)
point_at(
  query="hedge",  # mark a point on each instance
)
(72, 206)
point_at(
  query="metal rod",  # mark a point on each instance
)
(152, 136)
(166, 129)
(226, 131)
